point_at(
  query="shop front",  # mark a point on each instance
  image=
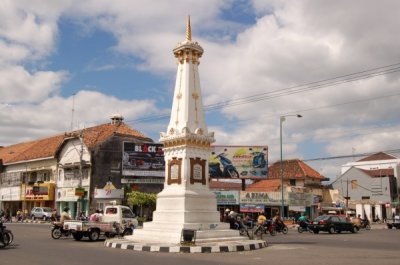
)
(68, 197)
(38, 195)
(227, 200)
(108, 195)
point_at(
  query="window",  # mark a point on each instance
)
(127, 213)
(354, 184)
(292, 182)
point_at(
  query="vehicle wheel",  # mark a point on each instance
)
(331, 230)
(285, 230)
(33, 218)
(77, 236)
(299, 229)
(354, 230)
(316, 231)
(94, 235)
(273, 232)
(368, 227)
(259, 233)
(56, 233)
(44, 218)
(8, 237)
(233, 173)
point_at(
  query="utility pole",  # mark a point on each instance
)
(79, 206)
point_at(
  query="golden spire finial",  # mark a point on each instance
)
(188, 31)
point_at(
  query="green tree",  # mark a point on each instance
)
(140, 199)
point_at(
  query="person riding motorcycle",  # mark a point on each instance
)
(65, 215)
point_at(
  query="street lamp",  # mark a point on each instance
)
(281, 120)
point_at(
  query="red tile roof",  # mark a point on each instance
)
(376, 173)
(49, 146)
(223, 185)
(293, 169)
(378, 156)
(265, 185)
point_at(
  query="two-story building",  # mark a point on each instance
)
(302, 189)
(371, 185)
(71, 169)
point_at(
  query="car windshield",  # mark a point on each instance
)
(322, 217)
(47, 209)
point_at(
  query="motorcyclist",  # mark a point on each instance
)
(65, 215)
(303, 221)
(261, 218)
(357, 221)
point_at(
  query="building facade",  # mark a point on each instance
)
(70, 169)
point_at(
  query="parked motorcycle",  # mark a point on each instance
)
(228, 169)
(6, 236)
(58, 231)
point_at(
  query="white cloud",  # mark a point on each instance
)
(17, 85)
(291, 43)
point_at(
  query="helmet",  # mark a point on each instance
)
(66, 209)
(227, 210)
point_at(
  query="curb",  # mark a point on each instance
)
(232, 247)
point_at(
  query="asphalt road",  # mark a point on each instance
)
(33, 245)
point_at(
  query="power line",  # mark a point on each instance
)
(366, 74)
(352, 155)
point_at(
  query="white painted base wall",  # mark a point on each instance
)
(179, 208)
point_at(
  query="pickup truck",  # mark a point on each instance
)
(117, 220)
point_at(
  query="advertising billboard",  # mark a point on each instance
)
(143, 160)
(249, 162)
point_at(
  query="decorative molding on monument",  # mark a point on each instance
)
(198, 170)
(188, 54)
(174, 171)
(186, 138)
(186, 142)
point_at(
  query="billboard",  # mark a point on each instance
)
(248, 162)
(143, 160)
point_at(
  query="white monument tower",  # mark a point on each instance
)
(186, 201)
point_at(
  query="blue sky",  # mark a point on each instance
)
(117, 58)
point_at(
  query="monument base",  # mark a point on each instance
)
(156, 232)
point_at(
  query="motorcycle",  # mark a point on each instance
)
(303, 226)
(281, 228)
(365, 225)
(6, 236)
(267, 227)
(58, 231)
(128, 229)
(228, 169)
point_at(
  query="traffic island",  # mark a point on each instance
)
(210, 247)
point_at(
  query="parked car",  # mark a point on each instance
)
(332, 224)
(41, 213)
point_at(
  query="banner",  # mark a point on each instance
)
(143, 160)
(227, 197)
(252, 208)
(249, 162)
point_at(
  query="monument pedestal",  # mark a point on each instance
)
(179, 208)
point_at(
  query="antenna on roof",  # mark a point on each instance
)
(72, 112)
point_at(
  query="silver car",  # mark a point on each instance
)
(43, 213)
